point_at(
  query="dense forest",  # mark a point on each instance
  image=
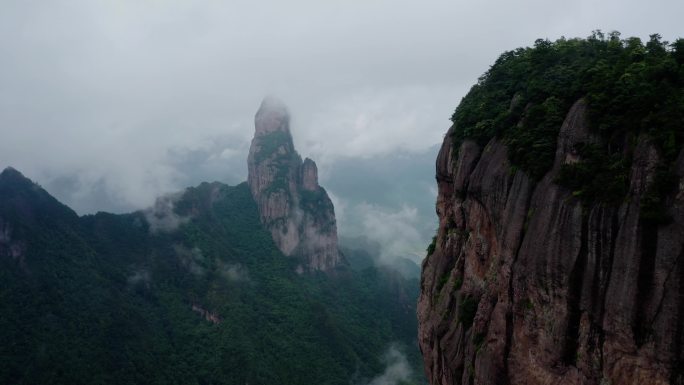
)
(192, 291)
(631, 88)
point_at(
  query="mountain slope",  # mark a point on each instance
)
(192, 291)
(561, 188)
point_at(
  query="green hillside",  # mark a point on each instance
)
(191, 292)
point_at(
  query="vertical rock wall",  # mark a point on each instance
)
(527, 286)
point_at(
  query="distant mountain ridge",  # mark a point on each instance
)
(111, 299)
(193, 290)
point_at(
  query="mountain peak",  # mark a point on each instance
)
(11, 172)
(292, 206)
(272, 116)
(11, 178)
(24, 200)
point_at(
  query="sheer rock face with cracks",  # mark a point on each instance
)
(527, 286)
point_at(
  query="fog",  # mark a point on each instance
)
(397, 369)
(110, 104)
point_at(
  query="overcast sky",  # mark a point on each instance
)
(109, 104)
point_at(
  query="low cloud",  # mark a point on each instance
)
(375, 123)
(193, 259)
(389, 200)
(139, 276)
(162, 216)
(235, 272)
(197, 263)
(397, 370)
(398, 231)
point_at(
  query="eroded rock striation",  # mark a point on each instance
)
(293, 207)
(527, 286)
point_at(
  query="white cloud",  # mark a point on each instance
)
(193, 259)
(139, 276)
(398, 231)
(235, 272)
(162, 216)
(396, 371)
(106, 93)
(377, 122)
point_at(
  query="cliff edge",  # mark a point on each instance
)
(525, 286)
(573, 274)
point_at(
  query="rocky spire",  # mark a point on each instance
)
(292, 206)
(309, 175)
(272, 116)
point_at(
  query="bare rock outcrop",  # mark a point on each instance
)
(527, 286)
(293, 207)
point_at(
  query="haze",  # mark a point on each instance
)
(110, 104)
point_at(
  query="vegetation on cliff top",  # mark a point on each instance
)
(630, 87)
(270, 143)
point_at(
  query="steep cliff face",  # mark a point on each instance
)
(526, 285)
(293, 207)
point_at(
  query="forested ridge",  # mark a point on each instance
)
(202, 297)
(631, 88)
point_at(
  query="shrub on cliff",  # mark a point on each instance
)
(630, 88)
